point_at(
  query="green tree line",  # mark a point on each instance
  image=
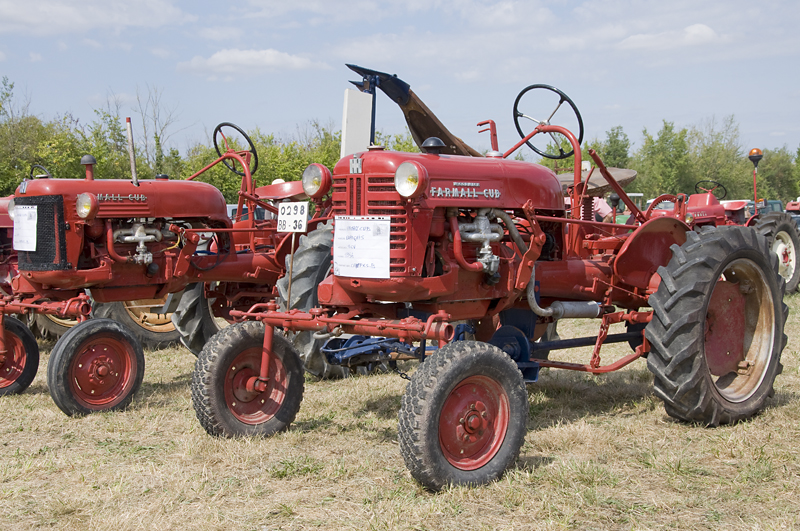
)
(670, 161)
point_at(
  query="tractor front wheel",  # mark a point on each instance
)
(98, 365)
(716, 334)
(20, 362)
(463, 417)
(783, 237)
(223, 404)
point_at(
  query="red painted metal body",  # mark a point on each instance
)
(434, 272)
(142, 242)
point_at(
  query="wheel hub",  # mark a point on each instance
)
(99, 373)
(725, 329)
(473, 422)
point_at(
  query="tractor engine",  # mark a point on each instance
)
(445, 243)
(67, 231)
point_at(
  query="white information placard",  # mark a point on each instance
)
(25, 219)
(361, 246)
(293, 217)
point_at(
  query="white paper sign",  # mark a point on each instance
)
(25, 218)
(293, 217)
(361, 246)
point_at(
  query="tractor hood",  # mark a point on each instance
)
(151, 199)
(460, 181)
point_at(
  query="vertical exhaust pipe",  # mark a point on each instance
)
(131, 152)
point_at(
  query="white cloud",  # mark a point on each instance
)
(235, 61)
(220, 33)
(162, 53)
(93, 43)
(51, 17)
(2, 56)
(35, 57)
(694, 35)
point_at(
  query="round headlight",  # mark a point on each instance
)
(11, 207)
(316, 180)
(86, 205)
(410, 179)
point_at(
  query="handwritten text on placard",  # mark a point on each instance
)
(361, 246)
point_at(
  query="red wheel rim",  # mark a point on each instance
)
(16, 358)
(473, 422)
(102, 372)
(254, 407)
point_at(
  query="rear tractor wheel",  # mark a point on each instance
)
(463, 417)
(98, 365)
(153, 330)
(223, 404)
(717, 330)
(194, 318)
(312, 264)
(20, 362)
(783, 237)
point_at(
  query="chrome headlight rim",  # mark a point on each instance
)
(86, 205)
(410, 179)
(317, 180)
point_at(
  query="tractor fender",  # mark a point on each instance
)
(647, 249)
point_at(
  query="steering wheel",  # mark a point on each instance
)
(229, 164)
(657, 201)
(46, 173)
(699, 189)
(545, 104)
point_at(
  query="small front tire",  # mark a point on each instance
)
(98, 365)
(223, 404)
(21, 362)
(463, 417)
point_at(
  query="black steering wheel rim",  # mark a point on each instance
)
(226, 162)
(45, 170)
(563, 98)
(699, 190)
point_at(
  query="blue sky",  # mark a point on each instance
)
(277, 65)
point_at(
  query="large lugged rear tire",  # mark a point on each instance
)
(312, 264)
(463, 417)
(21, 362)
(49, 327)
(717, 330)
(193, 318)
(783, 237)
(223, 404)
(153, 330)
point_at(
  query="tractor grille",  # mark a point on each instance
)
(51, 246)
(375, 195)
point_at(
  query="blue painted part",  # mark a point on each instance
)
(514, 342)
(462, 330)
(363, 350)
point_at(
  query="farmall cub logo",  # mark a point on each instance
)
(466, 190)
(119, 197)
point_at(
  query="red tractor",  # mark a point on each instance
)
(431, 250)
(706, 207)
(134, 240)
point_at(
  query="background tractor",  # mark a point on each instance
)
(134, 240)
(463, 263)
(706, 207)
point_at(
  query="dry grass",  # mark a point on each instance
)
(600, 454)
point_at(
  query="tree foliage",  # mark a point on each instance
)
(672, 160)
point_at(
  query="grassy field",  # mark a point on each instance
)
(600, 454)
